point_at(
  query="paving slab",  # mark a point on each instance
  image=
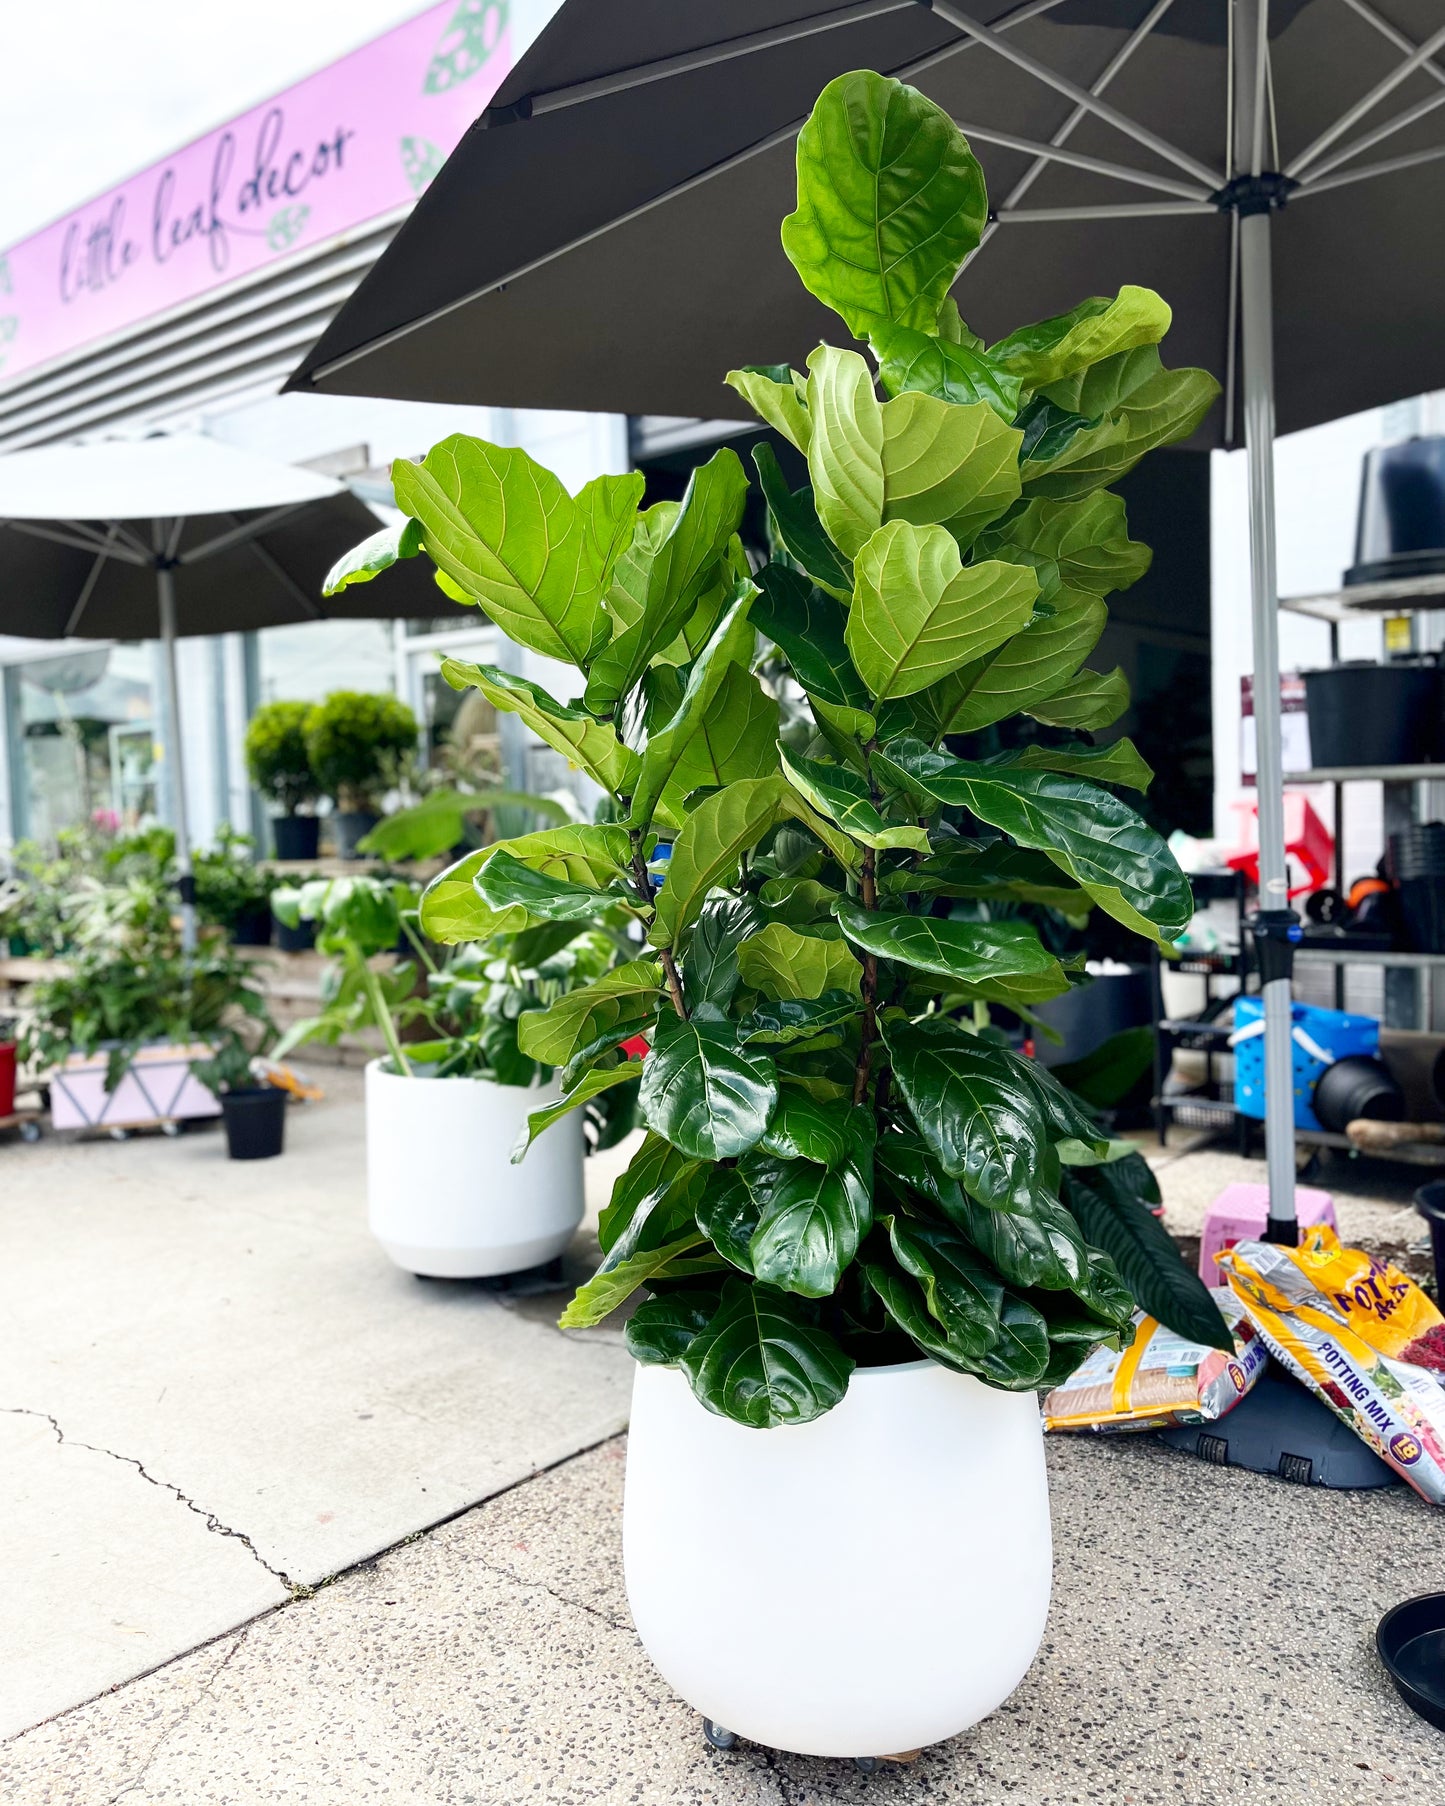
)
(231, 1329)
(1209, 1644)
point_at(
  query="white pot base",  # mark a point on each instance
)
(475, 1263)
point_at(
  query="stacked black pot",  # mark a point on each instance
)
(1417, 864)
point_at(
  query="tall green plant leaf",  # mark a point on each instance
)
(703, 1091)
(783, 962)
(1004, 960)
(617, 1004)
(795, 517)
(593, 1084)
(770, 391)
(374, 555)
(890, 202)
(504, 882)
(812, 1221)
(453, 911)
(589, 745)
(707, 851)
(1119, 763)
(910, 359)
(845, 453)
(948, 464)
(763, 1362)
(1089, 701)
(1086, 540)
(1068, 343)
(808, 627)
(842, 796)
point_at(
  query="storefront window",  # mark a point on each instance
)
(83, 740)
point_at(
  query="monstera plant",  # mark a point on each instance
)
(849, 1163)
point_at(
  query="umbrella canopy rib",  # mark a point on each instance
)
(87, 589)
(1352, 115)
(244, 530)
(1341, 178)
(78, 539)
(1357, 146)
(310, 608)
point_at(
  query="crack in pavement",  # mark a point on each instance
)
(540, 1586)
(211, 1521)
(180, 1718)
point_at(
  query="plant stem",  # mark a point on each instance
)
(384, 1020)
(645, 891)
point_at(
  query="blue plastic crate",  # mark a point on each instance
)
(1335, 1032)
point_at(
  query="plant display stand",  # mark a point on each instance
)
(156, 1090)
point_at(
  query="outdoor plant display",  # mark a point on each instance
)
(849, 1166)
(445, 1105)
(280, 768)
(253, 1110)
(356, 744)
(232, 891)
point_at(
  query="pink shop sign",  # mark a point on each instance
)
(359, 139)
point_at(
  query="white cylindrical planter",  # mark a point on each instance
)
(444, 1199)
(862, 1585)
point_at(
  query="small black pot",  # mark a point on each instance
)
(1363, 714)
(252, 928)
(300, 939)
(1357, 1087)
(255, 1122)
(350, 825)
(1430, 1202)
(296, 836)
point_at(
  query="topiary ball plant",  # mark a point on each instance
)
(849, 1159)
(355, 742)
(276, 755)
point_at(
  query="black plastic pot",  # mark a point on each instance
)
(348, 826)
(296, 836)
(1362, 714)
(255, 1122)
(300, 939)
(1357, 1087)
(1401, 528)
(1411, 1643)
(252, 928)
(1430, 1202)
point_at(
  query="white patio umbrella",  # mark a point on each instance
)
(174, 535)
(606, 236)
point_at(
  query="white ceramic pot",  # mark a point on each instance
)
(443, 1197)
(862, 1585)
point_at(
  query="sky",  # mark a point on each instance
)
(96, 89)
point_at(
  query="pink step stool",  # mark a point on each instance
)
(1238, 1215)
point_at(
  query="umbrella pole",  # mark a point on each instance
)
(175, 760)
(1275, 926)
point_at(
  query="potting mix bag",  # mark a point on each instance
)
(1362, 1336)
(1159, 1379)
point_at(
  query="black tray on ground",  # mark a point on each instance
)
(1279, 1428)
(1411, 1642)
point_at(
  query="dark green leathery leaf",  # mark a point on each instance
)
(764, 1361)
(704, 1092)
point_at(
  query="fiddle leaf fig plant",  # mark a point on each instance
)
(847, 1160)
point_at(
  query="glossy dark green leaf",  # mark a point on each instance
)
(1040, 1247)
(1119, 763)
(807, 626)
(980, 1120)
(709, 1096)
(1004, 959)
(795, 517)
(1089, 701)
(802, 1128)
(841, 794)
(763, 1362)
(710, 972)
(613, 1285)
(962, 1292)
(588, 1087)
(1086, 540)
(504, 882)
(652, 1172)
(707, 851)
(731, 1205)
(890, 202)
(1111, 1204)
(782, 962)
(661, 1330)
(792, 1019)
(1065, 1114)
(1088, 833)
(996, 869)
(1019, 1357)
(910, 359)
(615, 1005)
(811, 1224)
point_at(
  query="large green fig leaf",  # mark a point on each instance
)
(1086, 540)
(617, 1004)
(909, 359)
(918, 614)
(452, 911)
(962, 1292)
(708, 850)
(1098, 328)
(737, 737)
(1119, 763)
(841, 794)
(710, 972)
(845, 453)
(683, 1258)
(590, 745)
(1111, 1204)
(947, 464)
(1003, 960)
(374, 555)
(812, 1220)
(805, 1128)
(504, 882)
(890, 202)
(661, 1330)
(789, 1019)
(592, 853)
(783, 962)
(1151, 406)
(996, 869)
(979, 1119)
(673, 575)
(591, 1085)
(709, 1096)
(763, 1362)
(1089, 701)
(655, 1171)
(1088, 833)
(505, 530)
(769, 389)
(795, 518)
(1037, 1247)
(808, 626)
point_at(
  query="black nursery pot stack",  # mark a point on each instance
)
(1417, 864)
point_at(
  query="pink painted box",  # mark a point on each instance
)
(1239, 1213)
(157, 1086)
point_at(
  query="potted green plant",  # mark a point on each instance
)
(253, 1110)
(357, 745)
(865, 1228)
(446, 1102)
(232, 891)
(280, 768)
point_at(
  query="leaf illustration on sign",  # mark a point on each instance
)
(420, 160)
(476, 28)
(286, 227)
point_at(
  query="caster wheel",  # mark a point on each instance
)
(867, 1765)
(171, 1129)
(718, 1737)
(30, 1131)
(119, 1134)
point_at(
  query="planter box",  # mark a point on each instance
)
(157, 1086)
(444, 1199)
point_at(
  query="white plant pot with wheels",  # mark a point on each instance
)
(859, 1586)
(444, 1199)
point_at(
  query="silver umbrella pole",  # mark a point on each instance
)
(175, 763)
(1276, 927)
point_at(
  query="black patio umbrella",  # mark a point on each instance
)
(181, 534)
(606, 235)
